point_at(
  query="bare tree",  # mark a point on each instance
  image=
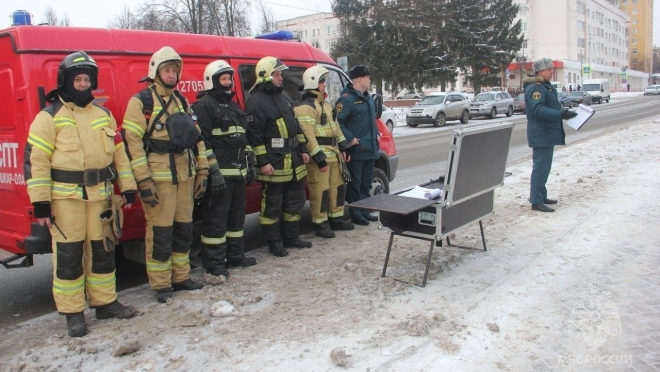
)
(51, 18)
(126, 19)
(213, 17)
(267, 19)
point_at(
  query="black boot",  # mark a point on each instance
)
(115, 310)
(277, 249)
(217, 271)
(187, 285)
(76, 324)
(163, 294)
(368, 216)
(542, 208)
(243, 262)
(341, 224)
(296, 243)
(323, 230)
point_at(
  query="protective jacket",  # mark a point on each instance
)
(323, 134)
(544, 124)
(72, 152)
(275, 135)
(161, 167)
(356, 114)
(223, 124)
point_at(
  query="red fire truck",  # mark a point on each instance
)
(29, 59)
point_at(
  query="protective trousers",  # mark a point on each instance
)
(542, 162)
(169, 234)
(362, 174)
(222, 227)
(80, 264)
(281, 204)
(326, 192)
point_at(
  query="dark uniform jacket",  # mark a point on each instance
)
(544, 124)
(356, 114)
(223, 125)
(275, 135)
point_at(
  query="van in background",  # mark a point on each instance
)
(599, 89)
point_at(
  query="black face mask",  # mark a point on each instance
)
(71, 94)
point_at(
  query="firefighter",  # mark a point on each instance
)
(170, 170)
(327, 189)
(223, 124)
(281, 151)
(72, 157)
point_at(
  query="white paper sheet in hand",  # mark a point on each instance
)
(583, 114)
(422, 193)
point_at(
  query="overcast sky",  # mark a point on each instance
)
(98, 13)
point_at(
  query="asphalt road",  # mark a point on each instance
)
(26, 293)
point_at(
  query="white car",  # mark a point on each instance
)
(389, 118)
(652, 90)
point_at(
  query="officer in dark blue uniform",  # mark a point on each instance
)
(356, 114)
(545, 129)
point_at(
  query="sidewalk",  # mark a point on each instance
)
(574, 290)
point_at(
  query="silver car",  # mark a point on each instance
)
(437, 108)
(491, 103)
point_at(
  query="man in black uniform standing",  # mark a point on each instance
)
(281, 150)
(223, 124)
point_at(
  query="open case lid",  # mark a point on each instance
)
(477, 161)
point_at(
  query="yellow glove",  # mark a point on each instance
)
(148, 193)
(200, 183)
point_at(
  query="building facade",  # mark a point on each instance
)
(641, 33)
(320, 29)
(589, 38)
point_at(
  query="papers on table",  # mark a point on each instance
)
(422, 193)
(584, 113)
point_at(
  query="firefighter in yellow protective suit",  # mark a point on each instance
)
(72, 157)
(169, 161)
(327, 189)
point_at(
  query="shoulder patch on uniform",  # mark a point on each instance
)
(250, 118)
(345, 94)
(536, 95)
(339, 107)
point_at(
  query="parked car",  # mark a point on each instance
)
(519, 103)
(410, 95)
(652, 90)
(491, 103)
(580, 97)
(564, 99)
(388, 117)
(437, 108)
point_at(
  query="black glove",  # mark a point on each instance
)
(42, 209)
(566, 114)
(218, 185)
(130, 196)
(251, 175)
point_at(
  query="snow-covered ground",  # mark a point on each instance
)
(574, 290)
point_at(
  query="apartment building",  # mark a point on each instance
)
(320, 29)
(589, 39)
(641, 32)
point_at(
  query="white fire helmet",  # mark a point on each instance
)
(213, 69)
(313, 75)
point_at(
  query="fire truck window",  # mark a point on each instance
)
(7, 118)
(292, 85)
(334, 83)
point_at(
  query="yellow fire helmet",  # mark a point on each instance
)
(164, 55)
(266, 66)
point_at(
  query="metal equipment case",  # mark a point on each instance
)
(475, 168)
